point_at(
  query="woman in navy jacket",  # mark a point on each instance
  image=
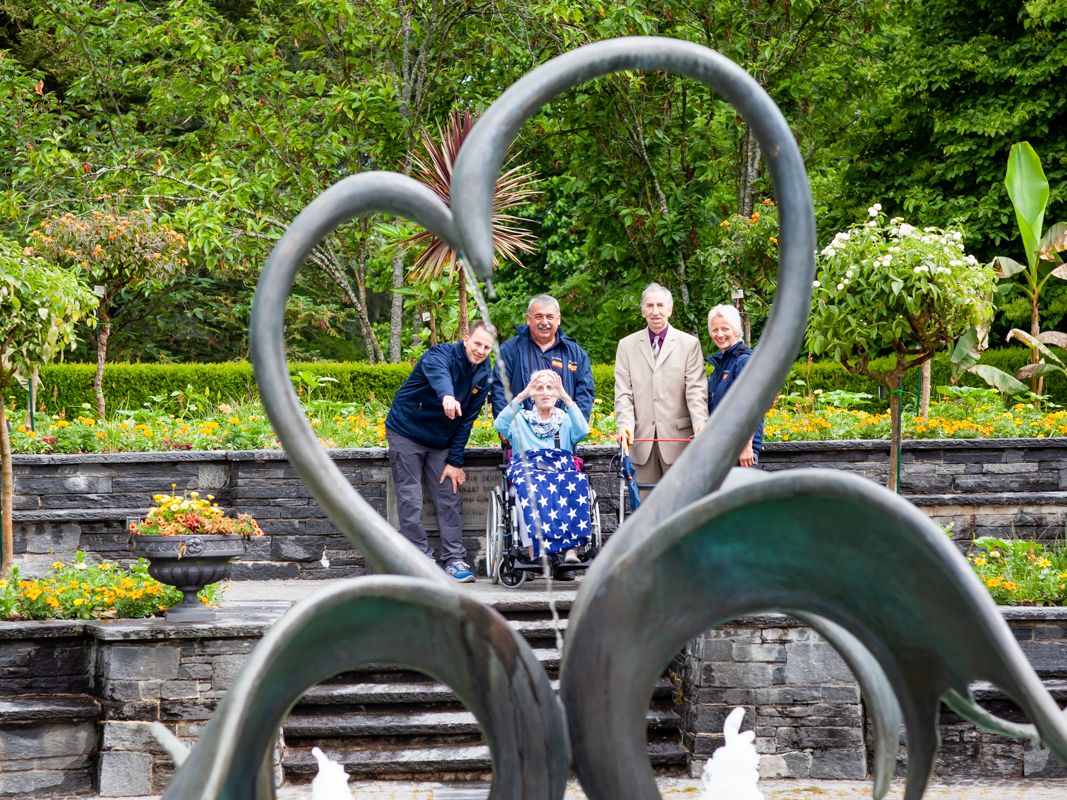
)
(724, 326)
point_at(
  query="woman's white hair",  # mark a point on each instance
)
(730, 315)
(543, 375)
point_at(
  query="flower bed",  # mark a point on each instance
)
(1021, 572)
(80, 590)
(836, 415)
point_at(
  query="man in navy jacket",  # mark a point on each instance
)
(427, 430)
(540, 344)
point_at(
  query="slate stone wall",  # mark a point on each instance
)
(800, 699)
(70, 502)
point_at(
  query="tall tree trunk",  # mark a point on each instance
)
(924, 390)
(101, 360)
(895, 435)
(750, 161)
(31, 396)
(396, 310)
(7, 497)
(464, 312)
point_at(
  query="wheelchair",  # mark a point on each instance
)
(506, 559)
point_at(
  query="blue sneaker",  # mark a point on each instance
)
(460, 572)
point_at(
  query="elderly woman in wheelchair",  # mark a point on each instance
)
(548, 496)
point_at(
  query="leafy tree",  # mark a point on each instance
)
(746, 257)
(39, 306)
(128, 259)
(959, 83)
(888, 288)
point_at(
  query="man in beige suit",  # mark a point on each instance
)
(660, 387)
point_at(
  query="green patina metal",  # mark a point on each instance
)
(857, 563)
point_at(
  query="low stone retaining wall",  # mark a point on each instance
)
(808, 715)
(116, 677)
(70, 502)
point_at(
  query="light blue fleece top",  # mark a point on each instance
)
(518, 432)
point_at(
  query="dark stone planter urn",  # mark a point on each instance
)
(189, 563)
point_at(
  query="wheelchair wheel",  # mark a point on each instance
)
(508, 575)
(596, 539)
(494, 534)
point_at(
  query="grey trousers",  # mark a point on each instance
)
(411, 464)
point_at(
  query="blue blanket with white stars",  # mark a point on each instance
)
(553, 498)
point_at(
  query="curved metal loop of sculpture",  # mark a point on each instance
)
(360, 194)
(816, 542)
(422, 621)
(385, 620)
(704, 465)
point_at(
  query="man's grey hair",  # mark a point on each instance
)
(731, 316)
(655, 287)
(543, 300)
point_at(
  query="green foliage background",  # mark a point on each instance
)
(226, 118)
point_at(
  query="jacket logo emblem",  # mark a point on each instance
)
(474, 390)
(557, 364)
(572, 367)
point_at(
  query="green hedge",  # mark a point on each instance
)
(128, 386)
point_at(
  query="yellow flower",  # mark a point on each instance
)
(979, 561)
(1010, 586)
(234, 420)
(21, 429)
(57, 564)
(1044, 562)
(993, 583)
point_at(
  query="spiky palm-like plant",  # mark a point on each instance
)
(433, 167)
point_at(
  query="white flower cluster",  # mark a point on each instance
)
(838, 243)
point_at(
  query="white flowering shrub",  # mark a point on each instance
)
(887, 287)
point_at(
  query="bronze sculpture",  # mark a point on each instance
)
(807, 543)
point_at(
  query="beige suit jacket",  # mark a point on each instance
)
(664, 398)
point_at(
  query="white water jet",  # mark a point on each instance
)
(331, 783)
(732, 772)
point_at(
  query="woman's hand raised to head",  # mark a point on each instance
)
(560, 391)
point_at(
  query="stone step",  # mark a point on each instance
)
(404, 722)
(548, 657)
(985, 692)
(427, 762)
(366, 693)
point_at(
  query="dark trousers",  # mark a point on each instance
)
(411, 464)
